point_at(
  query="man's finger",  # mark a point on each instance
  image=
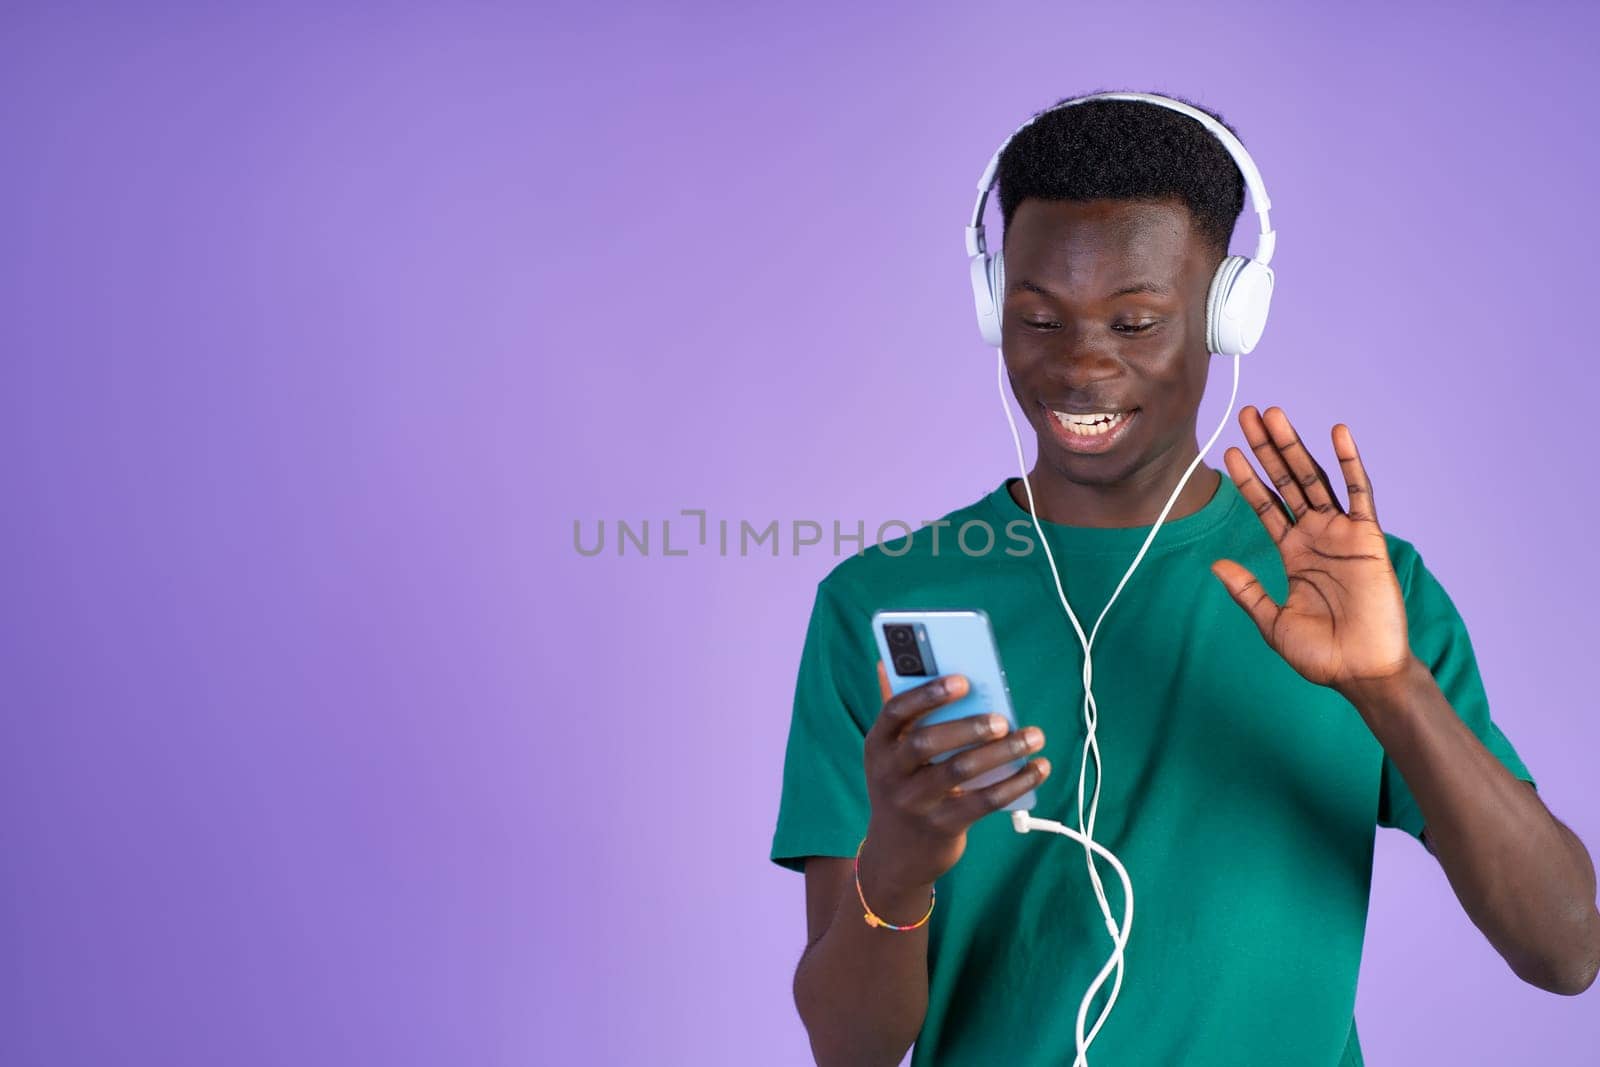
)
(962, 809)
(1267, 506)
(1249, 595)
(1303, 466)
(936, 780)
(920, 746)
(1356, 482)
(1271, 460)
(901, 711)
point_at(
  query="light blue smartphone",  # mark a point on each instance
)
(919, 646)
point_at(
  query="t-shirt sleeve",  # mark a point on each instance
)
(823, 809)
(1439, 638)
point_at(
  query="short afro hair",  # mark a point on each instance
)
(1125, 150)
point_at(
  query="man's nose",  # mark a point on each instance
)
(1084, 360)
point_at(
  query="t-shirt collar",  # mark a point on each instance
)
(1213, 515)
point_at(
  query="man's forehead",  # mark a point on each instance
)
(1065, 238)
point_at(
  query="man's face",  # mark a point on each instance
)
(1104, 313)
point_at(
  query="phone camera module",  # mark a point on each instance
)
(903, 647)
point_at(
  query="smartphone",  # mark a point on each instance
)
(919, 646)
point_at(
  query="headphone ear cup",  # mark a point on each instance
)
(997, 290)
(1237, 305)
(982, 269)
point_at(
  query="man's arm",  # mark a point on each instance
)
(862, 990)
(1523, 878)
(861, 994)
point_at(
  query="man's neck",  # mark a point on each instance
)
(1134, 503)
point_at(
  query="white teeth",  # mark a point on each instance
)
(1092, 425)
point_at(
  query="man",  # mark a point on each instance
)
(1249, 754)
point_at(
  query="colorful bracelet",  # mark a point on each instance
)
(874, 920)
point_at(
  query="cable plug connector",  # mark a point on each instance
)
(1020, 822)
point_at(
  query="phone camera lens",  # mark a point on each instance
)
(901, 637)
(907, 664)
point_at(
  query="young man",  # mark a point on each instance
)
(1249, 754)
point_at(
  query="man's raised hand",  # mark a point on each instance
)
(1343, 623)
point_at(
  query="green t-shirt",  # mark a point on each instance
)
(1242, 799)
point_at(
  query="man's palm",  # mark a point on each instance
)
(1343, 621)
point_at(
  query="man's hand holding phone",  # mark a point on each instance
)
(920, 812)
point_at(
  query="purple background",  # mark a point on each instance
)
(319, 327)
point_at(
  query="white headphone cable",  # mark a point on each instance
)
(1021, 821)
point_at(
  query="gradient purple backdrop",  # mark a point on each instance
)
(320, 326)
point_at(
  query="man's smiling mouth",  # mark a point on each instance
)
(1093, 423)
(1091, 431)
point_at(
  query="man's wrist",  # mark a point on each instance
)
(1381, 701)
(897, 902)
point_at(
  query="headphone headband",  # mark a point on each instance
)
(1265, 242)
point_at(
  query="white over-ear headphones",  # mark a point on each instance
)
(1241, 290)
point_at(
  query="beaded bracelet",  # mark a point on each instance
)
(874, 920)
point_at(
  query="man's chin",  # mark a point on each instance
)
(1092, 462)
(1102, 471)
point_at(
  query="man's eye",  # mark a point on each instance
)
(1131, 327)
(1042, 324)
